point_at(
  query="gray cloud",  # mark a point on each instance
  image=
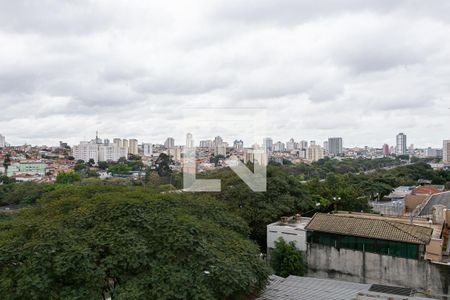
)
(129, 68)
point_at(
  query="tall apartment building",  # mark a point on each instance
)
(268, 144)
(169, 143)
(133, 147)
(98, 152)
(238, 145)
(125, 143)
(335, 146)
(278, 147)
(2, 141)
(446, 151)
(218, 141)
(111, 152)
(148, 149)
(303, 144)
(290, 145)
(400, 148)
(314, 153)
(220, 149)
(189, 141)
(86, 151)
(206, 144)
(118, 142)
(386, 151)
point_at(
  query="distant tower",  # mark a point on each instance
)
(400, 148)
(189, 141)
(386, 151)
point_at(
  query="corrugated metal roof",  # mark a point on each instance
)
(370, 228)
(307, 288)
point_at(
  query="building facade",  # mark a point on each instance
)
(335, 146)
(401, 148)
(2, 141)
(446, 151)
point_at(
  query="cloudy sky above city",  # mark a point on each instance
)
(363, 70)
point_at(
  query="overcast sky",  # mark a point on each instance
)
(363, 70)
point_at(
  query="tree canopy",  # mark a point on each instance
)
(89, 242)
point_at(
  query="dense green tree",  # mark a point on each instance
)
(26, 193)
(287, 260)
(67, 177)
(89, 242)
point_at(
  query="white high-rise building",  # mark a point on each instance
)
(238, 145)
(290, 145)
(189, 141)
(206, 144)
(303, 144)
(268, 144)
(446, 151)
(220, 149)
(400, 148)
(148, 149)
(335, 146)
(169, 143)
(314, 153)
(111, 152)
(86, 151)
(133, 147)
(278, 147)
(218, 141)
(2, 141)
(118, 142)
(125, 143)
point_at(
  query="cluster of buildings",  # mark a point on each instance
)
(373, 249)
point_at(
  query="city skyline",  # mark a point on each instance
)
(231, 140)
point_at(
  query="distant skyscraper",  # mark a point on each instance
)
(290, 145)
(220, 149)
(314, 153)
(133, 147)
(335, 146)
(125, 143)
(400, 148)
(303, 144)
(446, 151)
(189, 141)
(278, 147)
(386, 151)
(326, 145)
(268, 144)
(148, 149)
(206, 144)
(218, 141)
(238, 145)
(118, 142)
(169, 143)
(2, 141)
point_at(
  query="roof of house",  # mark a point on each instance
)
(440, 198)
(426, 189)
(307, 288)
(375, 228)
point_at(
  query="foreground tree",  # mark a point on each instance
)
(287, 260)
(89, 242)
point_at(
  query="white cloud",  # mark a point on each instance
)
(364, 70)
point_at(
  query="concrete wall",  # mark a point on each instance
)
(356, 266)
(289, 234)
